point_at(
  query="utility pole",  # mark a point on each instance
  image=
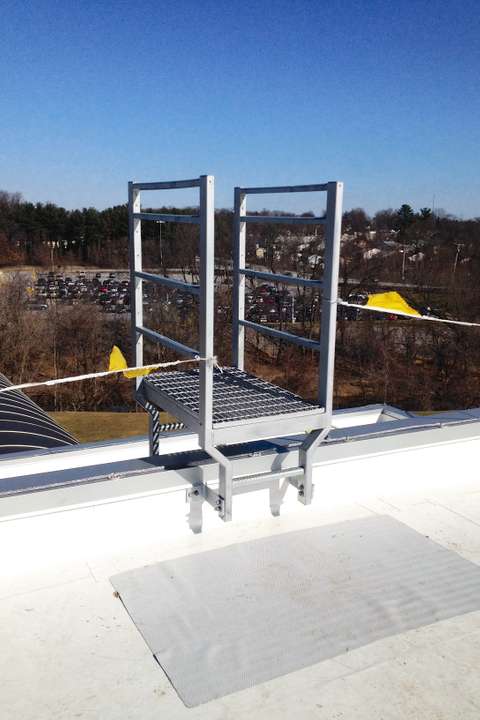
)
(403, 262)
(160, 249)
(459, 246)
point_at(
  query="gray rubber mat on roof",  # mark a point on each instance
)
(227, 619)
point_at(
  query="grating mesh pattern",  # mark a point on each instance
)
(237, 395)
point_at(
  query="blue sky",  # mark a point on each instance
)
(384, 96)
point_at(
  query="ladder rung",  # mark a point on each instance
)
(265, 478)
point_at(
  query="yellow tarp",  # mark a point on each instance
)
(118, 362)
(391, 301)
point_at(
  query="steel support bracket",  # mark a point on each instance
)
(307, 451)
(221, 501)
(196, 496)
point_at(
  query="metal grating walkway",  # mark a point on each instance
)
(237, 395)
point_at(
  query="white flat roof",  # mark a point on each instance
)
(69, 649)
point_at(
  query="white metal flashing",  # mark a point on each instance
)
(99, 481)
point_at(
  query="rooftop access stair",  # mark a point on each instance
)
(229, 406)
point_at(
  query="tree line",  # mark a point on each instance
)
(412, 364)
(47, 235)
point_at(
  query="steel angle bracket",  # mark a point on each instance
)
(196, 496)
(299, 484)
(307, 451)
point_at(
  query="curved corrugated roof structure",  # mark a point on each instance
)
(25, 426)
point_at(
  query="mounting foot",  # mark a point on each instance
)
(195, 515)
(277, 493)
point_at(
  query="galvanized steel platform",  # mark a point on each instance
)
(237, 395)
(239, 399)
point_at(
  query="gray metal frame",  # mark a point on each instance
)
(211, 435)
(205, 219)
(328, 286)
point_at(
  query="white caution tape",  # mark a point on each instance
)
(105, 373)
(408, 315)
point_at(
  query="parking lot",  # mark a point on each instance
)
(107, 290)
(111, 292)
(274, 304)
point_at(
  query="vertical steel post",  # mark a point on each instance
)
(239, 241)
(206, 309)
(207, 315)
(135, 253)
(330, 296)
